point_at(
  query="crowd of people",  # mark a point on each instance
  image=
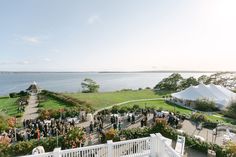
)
(38, 129)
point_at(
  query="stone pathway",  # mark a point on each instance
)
(31, 109)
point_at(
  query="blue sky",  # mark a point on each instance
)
(122, 35)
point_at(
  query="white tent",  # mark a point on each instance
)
(220, 95)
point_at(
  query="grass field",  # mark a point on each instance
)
(51, 103)
(8, 106)
(159, 104)
(104, 99)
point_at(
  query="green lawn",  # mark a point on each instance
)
(157, 104)
(104, 99)
(51, 103)
(8, 106)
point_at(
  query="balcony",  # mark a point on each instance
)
(154, 146)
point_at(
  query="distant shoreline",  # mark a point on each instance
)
(164, 71)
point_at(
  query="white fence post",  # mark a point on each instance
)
(110, 148)
(159, 144)
(153, 145)
(57, 152)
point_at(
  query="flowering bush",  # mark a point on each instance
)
(75, 138)
(111, 134)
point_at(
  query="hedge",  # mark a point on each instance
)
(68, 100)
(169, 132)
(26, 147)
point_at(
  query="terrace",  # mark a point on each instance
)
(154, 146)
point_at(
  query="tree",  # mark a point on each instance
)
(231, 110)
(204, 79)
(89, 86)
(191, 81)
(170, 83)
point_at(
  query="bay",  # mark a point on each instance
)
(71, 82)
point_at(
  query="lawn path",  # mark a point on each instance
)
(31, 109)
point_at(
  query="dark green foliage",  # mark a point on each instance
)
(191, 81)
(136, 107)
(198, 117)
(67, 112)
(231, 110)
(3, 122)
(13, 95)
(26, 147)
(172, 134)
(72, 102)
(170, 83)
(89, 86)
(204, 79)
(20, 94)
(115, 109)
(205, 105)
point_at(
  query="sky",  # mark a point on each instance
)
(121, 35)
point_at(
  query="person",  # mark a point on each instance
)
(91, 127)
(119, 125)
(24, 124)
(128, 118)
(90, 138)
(115, 126)
(133, 119)
(142, 123)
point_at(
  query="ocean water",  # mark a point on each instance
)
(71, 82)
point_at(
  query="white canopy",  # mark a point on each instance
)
(220, 95)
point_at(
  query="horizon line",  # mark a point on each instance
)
(116, 71)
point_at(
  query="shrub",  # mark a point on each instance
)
(111, 134)
(231, 148)
(83, 105)
(198, 117)
(115, 109)
(123, 109)
(205, 105)
(171, 133)
(3, 122)
(136, 107)
(13, 95)
(74, 138)
(231, 110)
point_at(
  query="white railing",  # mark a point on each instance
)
(50, 154)
(154, 146)
(136, 147)
(90, 151)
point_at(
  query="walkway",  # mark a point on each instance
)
(32, 108)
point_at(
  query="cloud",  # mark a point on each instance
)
(93, 19)
(5, 63)
(31, 39)
(23, 62)
(54, 50)
(47, 59)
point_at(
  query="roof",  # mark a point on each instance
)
(219, 94)
(33, 87)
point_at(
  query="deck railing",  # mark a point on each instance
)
(154, 146)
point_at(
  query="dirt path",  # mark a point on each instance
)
(31, 109)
